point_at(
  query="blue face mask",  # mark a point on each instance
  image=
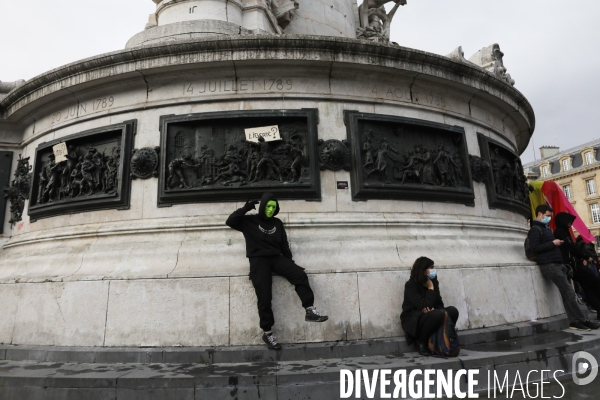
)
(546, 220)
(432, 274)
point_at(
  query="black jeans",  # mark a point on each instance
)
(261, 271)
(590, 284)
(431, 322)
(557, 273)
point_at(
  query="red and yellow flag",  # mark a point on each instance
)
(550, 193)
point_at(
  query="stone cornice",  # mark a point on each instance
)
(291, 48)
(571, 173)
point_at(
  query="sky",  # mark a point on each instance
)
(551, 47)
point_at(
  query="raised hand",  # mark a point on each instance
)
(251, 204)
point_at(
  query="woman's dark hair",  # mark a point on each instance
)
(418, 269)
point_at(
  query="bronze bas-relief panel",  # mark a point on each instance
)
(506, 184)
(206, 157)
(95, 175)
(404, 158)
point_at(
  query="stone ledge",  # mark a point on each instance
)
(242, 354)
(317, 380)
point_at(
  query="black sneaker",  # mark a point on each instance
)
(271, 342)
(592, 325)
(579, 326)
(312, 315)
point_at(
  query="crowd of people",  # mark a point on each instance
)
(568, 262)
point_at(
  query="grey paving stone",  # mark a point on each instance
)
(19, 353)
(321, 391)
(157, 376)
(250, 354)
(185, 356)
(79, 394)
(120, 355)
(21, 393)
(243, 374)
(155, 394)
(239, 393)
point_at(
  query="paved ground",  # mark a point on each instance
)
(300, 374)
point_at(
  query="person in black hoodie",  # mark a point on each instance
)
(423, 309)
(578, 259)
(268, 251)
(549, 257)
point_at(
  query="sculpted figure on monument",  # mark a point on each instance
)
(410, 171)
(381, 160)
(69, 166)
(266, 161)
(445, 165)
(111, 174)
(18, 191)
(53, 172)
(479, 168)
(492, 59)
(296, 156)
(427, 176)
(283, 10)
(375, 22)
(176, 171)
(368, 149)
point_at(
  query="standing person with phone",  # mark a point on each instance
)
(545, 247)
(268, 251)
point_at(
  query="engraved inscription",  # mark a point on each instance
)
(429, 99)
(81, 109)
(241, 85)
(391, 92)
(397, 93)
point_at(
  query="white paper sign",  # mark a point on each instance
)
(60, 151)
(270, 133)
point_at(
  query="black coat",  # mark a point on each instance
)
(541, 244)
(265, 237)
(571, 253)
(416, 298)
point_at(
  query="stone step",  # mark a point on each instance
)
(241, 354)
(276, 379)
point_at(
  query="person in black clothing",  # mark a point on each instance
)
(578, 259)
(549, 257)
(268, 251)
(423, 309)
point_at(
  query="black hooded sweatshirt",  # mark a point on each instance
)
(571, 253)
(265, 237)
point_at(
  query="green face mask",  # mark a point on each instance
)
(270, 208)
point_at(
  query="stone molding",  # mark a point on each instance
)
(196, 224)
(577, 172)
(291, 48)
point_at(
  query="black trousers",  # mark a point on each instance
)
(590, 284)
(431, 322)
(261, 271)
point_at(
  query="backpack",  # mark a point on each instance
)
(528, 253)
(444, 342)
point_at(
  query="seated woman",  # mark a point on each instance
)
(423, 308)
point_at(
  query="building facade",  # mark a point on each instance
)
(577, 172)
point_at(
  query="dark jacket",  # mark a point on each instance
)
(541, 244)
(416, 298)
(571, 253)
(264, 236)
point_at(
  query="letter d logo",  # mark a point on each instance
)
(583, 362)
